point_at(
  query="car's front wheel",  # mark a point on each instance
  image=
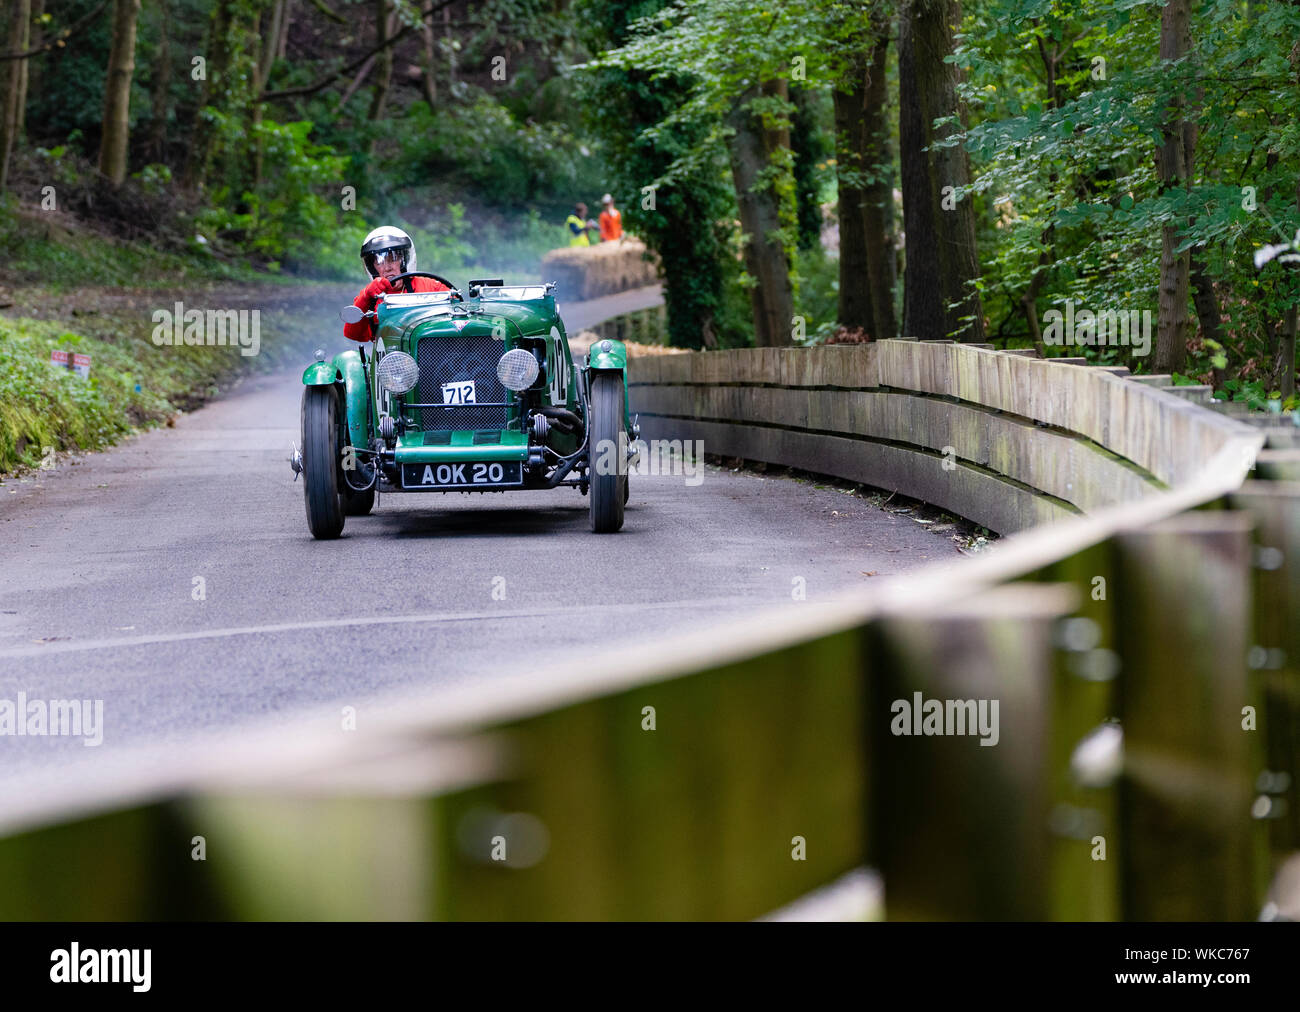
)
(608, 454)
(320, 459)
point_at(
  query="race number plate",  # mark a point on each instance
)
(468, 475)
(458, 392)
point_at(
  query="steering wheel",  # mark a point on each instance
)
(425, 274)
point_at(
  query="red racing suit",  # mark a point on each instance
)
(364, 330)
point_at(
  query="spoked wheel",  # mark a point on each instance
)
(608, 491)
(320, 460)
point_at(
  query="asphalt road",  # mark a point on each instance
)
(174, 578)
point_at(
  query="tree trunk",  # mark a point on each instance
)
(806, 144)
(217, 61)
(270, 45)
(1286, 355)
(162, 79)
(1029, 300)
(1173, 164)
(282, 45)
(19, 14)
(383, 61)
(430, 72)
(878, 199)
(451, 52)
(261, 43)
(752, 150)
(855, 309)
(866, 190)
(942, 260)
(117, 92)
(1207, 310)
(33, 38)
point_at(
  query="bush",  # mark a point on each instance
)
(284, 218)
(481, 147)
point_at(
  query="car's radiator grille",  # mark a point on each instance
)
(445, 360)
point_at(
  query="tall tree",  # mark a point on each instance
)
(864, 166)
(1174, 168)
(384, 59)
(942, 262)
(162, 77)
(33, 41)
(850, 102)
(760, 166)
(16, 36)
(216, 57)
(811, 146)
(116, 131)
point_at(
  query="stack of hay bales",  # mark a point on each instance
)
(581, 342)
(588, 272)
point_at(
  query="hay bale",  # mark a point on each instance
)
(581, 342)
(588, 272)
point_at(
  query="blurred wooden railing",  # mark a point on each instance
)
(1145, 658)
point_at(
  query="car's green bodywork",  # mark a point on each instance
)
(500, 314)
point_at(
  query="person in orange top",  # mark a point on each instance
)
(611, 221)
(386, 253)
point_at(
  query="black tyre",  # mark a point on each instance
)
(608, 491)
(320, 461)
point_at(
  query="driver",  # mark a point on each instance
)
(386, 253)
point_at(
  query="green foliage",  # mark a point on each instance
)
(45, 405)
(285, 217)
(479, 146)
(1076, 177)
(35, 251)
(819, 292)
(813, 148)
(673, 163)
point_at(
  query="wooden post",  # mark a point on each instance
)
(1189, 849)
(960, 830)
(1274, 654)
(1084, 869)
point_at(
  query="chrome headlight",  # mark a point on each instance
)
(398, 372)
(517, 369)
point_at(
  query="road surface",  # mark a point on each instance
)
(174, 579)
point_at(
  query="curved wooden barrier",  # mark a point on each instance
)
(1003, 439)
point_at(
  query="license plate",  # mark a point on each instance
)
(468, 475)
(458, 392)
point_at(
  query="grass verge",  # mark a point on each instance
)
(46, 409)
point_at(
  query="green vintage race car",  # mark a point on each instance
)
(475, 393)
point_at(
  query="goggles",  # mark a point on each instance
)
(387, 254)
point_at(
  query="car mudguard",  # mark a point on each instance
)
(355, 396)
(320, 374)
(607, 355)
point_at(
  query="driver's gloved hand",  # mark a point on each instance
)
(380, 286)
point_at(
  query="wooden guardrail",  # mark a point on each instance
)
(1145, 660)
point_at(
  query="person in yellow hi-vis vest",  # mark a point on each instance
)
(578, 226)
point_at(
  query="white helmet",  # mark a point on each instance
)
(386, 237)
